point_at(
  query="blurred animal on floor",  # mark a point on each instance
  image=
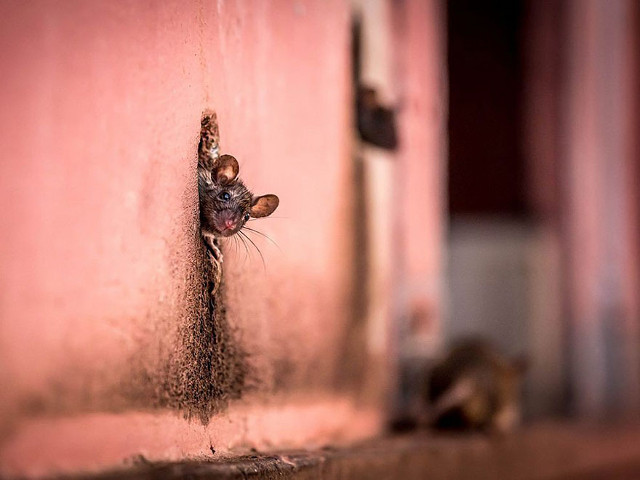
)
(475, 387)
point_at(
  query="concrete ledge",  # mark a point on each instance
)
(549, 451)
(46, 447)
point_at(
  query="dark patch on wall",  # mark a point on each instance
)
(206, 367)
(185, 357)
(350, 373)
(354, 350)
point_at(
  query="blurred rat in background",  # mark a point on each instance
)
(475, 387)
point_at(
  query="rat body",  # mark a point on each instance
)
(475, 388)
(226, 204)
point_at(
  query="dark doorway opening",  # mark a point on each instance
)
(486, 164)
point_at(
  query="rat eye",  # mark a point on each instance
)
(246, 217)
(224, 196)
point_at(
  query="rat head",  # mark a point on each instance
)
(226, 203)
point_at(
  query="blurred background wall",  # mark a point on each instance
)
(543, 181)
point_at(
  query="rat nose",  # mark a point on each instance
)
(230, 224)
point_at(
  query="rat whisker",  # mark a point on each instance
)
(235, 245)
(264, 265)
(246, 249)
(266, 218)
(263, 235)
(238, 239)
(241, 236)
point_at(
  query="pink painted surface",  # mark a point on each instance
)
(421, 38)
(101, 103)
(100, 441)
(601, 231)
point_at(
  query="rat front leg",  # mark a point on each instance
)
(214, 253)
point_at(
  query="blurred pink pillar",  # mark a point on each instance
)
(598, 122)
(420, 198)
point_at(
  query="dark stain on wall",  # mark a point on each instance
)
(212, 367)
(185, 355)
(205, 367)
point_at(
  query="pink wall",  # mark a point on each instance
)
(582, 123)
(601, 224)
(421, 38)
(101, 275)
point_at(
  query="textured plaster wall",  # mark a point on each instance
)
(104, 330)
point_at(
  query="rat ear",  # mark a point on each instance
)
(264, 205)
(226, 169)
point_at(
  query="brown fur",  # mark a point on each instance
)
(209, 146)
(475, 387)
(225, 202)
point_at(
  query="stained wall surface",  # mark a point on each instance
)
(105, 343)
(109, 354)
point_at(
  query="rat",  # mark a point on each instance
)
(475, 387)
(226, 204)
